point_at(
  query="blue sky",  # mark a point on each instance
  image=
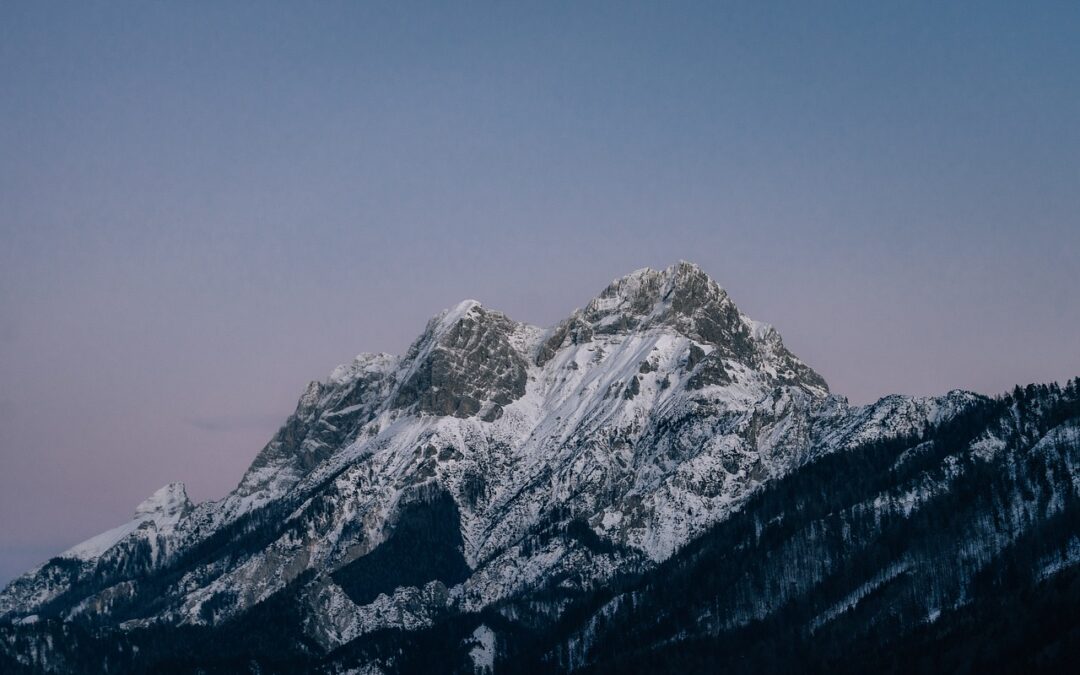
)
(206, 205)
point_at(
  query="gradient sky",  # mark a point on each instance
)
(205, 205)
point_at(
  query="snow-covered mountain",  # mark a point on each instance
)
(497, 488)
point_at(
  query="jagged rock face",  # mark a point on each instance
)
(493, 461)
(686, 299)
(328, 416)
(467, 367)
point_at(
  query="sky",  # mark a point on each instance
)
(205, 205)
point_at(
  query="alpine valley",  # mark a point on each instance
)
(655, 484)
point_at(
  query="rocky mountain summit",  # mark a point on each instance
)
(505, 496)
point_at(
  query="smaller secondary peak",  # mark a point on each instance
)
(169, 502)
(163, 509)
(468, 316)
(465, 363)
(442, 322)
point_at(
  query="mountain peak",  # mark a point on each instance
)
(644, 294)
(160, 512)
(170, 501)
(463, 364)
(464, 308)
(443, 323)
(683, 298)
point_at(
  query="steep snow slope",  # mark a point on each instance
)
(872, 547)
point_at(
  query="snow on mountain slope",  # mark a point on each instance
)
(566, 455)
(857, 554)
(148, 537)
(160, 513)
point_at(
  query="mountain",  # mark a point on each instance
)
(654, 484)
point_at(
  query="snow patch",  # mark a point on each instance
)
(483, 653)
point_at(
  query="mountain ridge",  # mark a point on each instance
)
(492, 464)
